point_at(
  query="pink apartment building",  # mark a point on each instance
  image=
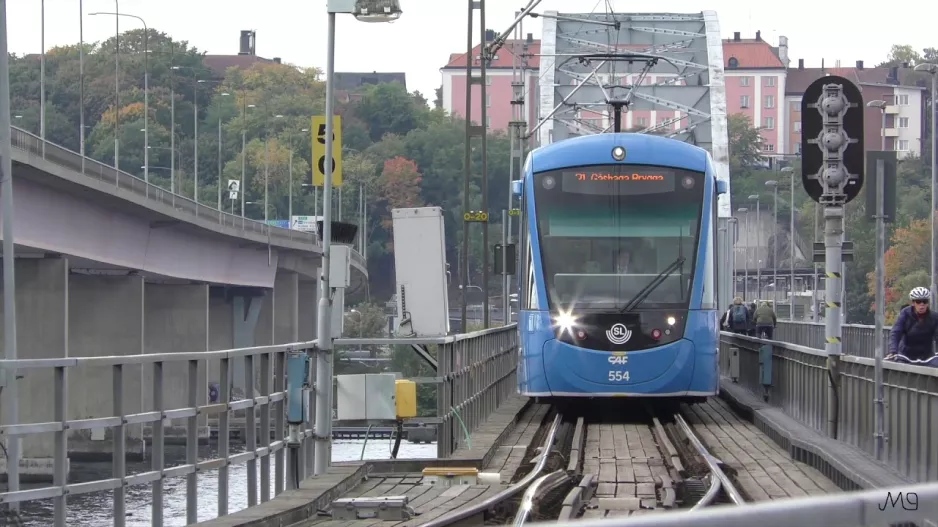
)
(759, 84)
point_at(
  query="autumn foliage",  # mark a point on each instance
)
(399, 186)
(907, 264)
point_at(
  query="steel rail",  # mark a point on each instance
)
(542, 486)
(714, 466)
(477, 508)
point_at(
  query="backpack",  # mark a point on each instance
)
(739, 316)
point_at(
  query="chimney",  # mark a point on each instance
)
(247, 42)
(530, 39)
(893, 77)
(859, 64)
(759, 35)
(277, 60)
(800, 64)
(736, 36)
(783, 50)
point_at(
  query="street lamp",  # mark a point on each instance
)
(791, 241)
(365, 11)
(758, 245)
(12, 450)
(243, 153)
(881, 288)
(932, 69)
(223, 94)
(117, 81)
(745, 211)
(774, 186)
(290, 185)
(146, 95)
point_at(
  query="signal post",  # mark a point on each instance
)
(832, 174)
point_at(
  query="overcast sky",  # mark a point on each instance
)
(429, 30)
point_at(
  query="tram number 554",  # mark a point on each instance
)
(618, 375)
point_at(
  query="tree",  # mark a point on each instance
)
(745, 145)
(388, 108)
(906, 266)
(399, 185)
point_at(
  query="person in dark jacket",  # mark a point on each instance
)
(739, 318)
(765, 321)
(916, 328)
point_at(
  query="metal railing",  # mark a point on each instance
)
(476, 373)
(857, 338)
(125, 182)
(799, 380)
(918, 503)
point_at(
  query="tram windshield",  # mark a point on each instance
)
(618, 237)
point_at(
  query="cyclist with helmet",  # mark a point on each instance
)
(916, 328)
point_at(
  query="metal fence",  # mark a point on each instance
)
(799, 386)
(918, 503)
(123, 181)
(857, 338)
(476, 373)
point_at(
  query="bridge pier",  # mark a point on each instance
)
(177, 321)
(42, 332)
(105, 318)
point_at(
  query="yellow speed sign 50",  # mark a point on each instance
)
(319, 150)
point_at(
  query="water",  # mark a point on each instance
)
(95, 509)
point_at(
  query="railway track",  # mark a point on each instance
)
(594, 466)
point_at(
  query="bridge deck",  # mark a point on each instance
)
(429, 501)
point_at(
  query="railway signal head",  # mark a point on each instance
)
(832, 140)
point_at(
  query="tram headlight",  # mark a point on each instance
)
(671, 321)
(565, 321)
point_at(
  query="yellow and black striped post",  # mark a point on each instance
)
(833, 271)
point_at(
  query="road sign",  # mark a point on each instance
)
(832, 140)
(234, 186)
(319, 151)
(890, 163)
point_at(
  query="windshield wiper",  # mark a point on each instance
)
(658, 280)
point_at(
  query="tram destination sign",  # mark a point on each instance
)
(620, 181)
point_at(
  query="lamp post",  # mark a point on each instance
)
(146, 94)
(931, 69)
(9, 282)
(223, 94)
(366, 11)
(791, 243)
(290, 186)
(758, 245)
(745, 211)
(81, 81)
(42, 76)
(773, 184)
(880, 291)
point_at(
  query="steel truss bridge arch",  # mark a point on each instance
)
(596, 65)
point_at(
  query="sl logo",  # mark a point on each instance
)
(618, 334)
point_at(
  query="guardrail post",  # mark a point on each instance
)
(734, 364)
(765, 369)
(279, 413)
(158, 461)
(61, 449)
(250, 430)
(265, 427)
(192, 446)
(120, 444)
(224, 396)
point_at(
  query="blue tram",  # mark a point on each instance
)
(617, 278)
